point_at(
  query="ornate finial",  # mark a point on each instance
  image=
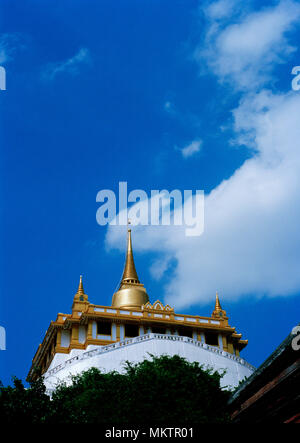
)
(218, 305)
(80, 294)
(218, 311)
(80, 290)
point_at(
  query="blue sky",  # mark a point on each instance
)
(100, 92)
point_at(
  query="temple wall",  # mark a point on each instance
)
(113, 357)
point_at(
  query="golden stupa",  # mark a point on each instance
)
(131, 293)
(129, 320)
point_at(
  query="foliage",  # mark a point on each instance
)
(163, 390)
(241, 382)
(21, 405)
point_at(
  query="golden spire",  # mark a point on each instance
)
(131, 293)
(80, 294)
(218, 311)
(218, 305)
(129, 273)
(80, 290)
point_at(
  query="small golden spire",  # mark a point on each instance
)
(80, 294)
(218, 311)
(80, 290)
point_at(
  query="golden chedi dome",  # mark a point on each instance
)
(131, 293)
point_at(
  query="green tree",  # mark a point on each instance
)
(21, 405)
(161, 390)
(164, 390)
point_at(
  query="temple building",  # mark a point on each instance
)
(132, 328)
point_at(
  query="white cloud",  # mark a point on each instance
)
(168, 106)
(159, 267)
(70, 66)
(251, 242)
(244, 52)
(220, 9)
(191, 149)
(9, 44)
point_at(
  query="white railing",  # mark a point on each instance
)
(139, 339)
(155, 313)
